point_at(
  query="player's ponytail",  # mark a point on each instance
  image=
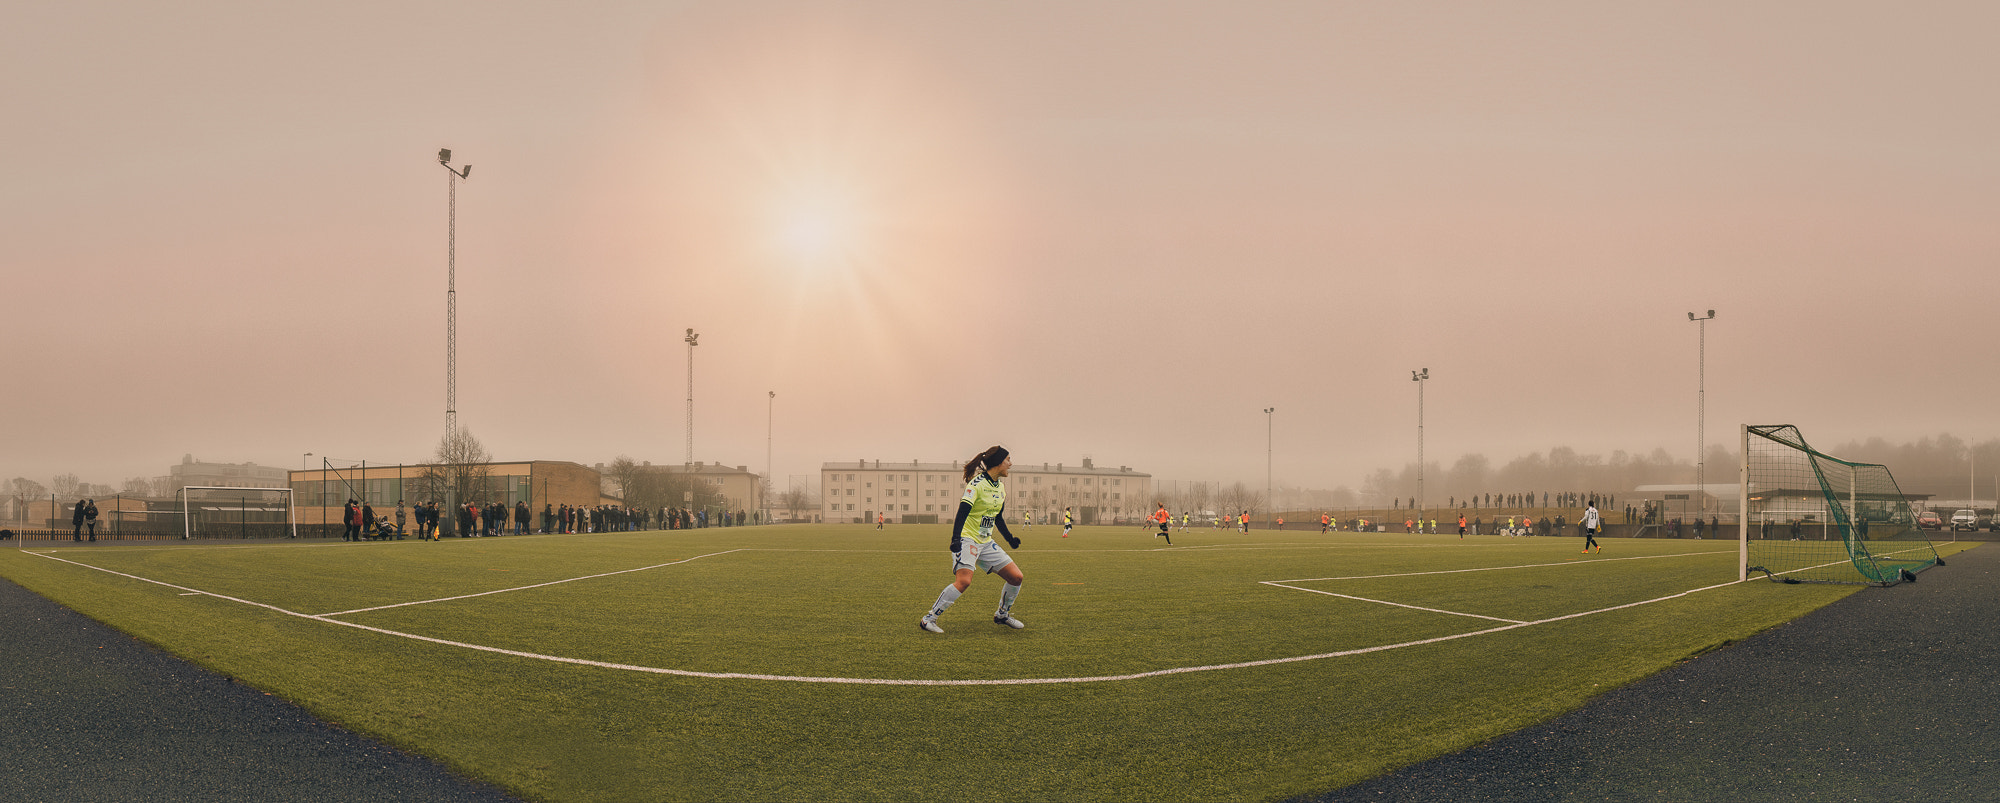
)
(984, 460)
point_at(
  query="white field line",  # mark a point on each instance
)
(524, 588)
(1501, 568)
(891, 681)
(1386, 602)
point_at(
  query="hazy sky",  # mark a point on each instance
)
(1117, 229)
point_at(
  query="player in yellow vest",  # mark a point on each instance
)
(980, 512)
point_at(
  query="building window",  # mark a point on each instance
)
(1072, 480)
(850, 507)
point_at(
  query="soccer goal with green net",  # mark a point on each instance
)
(1811, 517)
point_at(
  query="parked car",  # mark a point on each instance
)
(1965, 520)
(1928, 520)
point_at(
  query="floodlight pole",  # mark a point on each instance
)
(1268, 500)
(1419, 377)
(770, 405)
(1701, 412)
(450, 323)
(690, 340)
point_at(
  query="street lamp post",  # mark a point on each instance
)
(1268, 500)
(1701, 411)
(1419, 377)
(690, 340)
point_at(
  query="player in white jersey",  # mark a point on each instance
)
(980, 513)
(1591, 524)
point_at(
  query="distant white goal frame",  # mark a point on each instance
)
(187, 521)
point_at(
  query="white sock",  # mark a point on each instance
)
(1007, 595)
(944, 600)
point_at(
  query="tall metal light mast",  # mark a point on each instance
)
(1273, 503)
(690, 340)
(1701, 414)
(451, 293)
(1419, 377)
(770, 407)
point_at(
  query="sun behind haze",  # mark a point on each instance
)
(1118, 229)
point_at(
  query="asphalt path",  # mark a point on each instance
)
(1891, 694)
(88, 713)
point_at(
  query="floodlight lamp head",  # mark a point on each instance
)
(444, 157)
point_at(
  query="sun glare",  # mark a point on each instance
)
(812, 237)
(816, 232)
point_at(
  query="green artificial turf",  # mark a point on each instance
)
(841, 601)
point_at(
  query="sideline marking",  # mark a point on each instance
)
(893, 681)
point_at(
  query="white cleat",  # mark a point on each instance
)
(929, 624)
(1008, 620)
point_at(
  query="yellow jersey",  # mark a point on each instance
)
(986, 496)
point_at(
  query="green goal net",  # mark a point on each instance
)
(1813, 517)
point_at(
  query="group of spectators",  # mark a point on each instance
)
(1548, 499)
(476, 520)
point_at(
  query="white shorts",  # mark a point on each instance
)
(974, 555)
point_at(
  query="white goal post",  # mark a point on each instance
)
(187, 503)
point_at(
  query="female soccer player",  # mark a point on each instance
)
(981, 511)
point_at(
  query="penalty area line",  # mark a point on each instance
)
(524, 588)
(1569, 562)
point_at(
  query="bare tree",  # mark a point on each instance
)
(65, 486)
(26, 490)
(458, 472)
(1195, 497)
(797, 501)
(623, 474)
(138, 486)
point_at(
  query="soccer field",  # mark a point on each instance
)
(766, 663)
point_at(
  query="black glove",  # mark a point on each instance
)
(955, 545)
(1012, 542)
